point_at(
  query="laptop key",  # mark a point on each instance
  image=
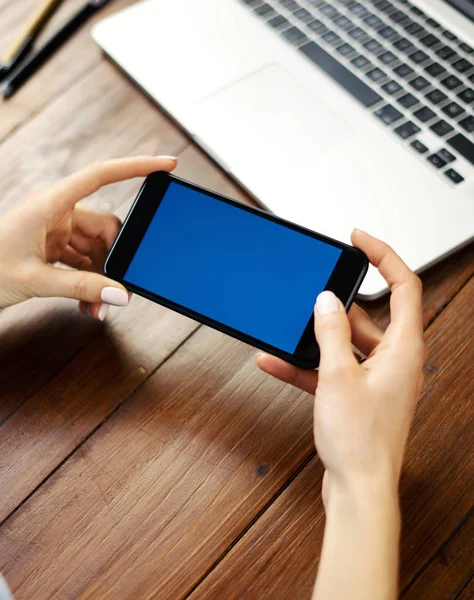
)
(398, 16)
(387, 32)
(332, 38)
(294, 35)
(446, 155)
(413, 28)
(467, 95)
(418, 57)
(345, 49)
(408, 100)
(467, 49)
(437, 161)
(429, 40)
(436, 96)
(445, 52)
(383, 5)
(463, 146)
(419, 147)
(424, 114)
(419, 83)
(403, 44)
(449, 36)
(374, 22)
(289, 4)
(360, 62)
(357, 33)
(264, 10)
(329, 11)
(376, 74)
(433, 23)
(407, 130)
(278, 21)
(388, 114)
(462, 65)
(453, 110)
(403, 71)
(387, 58)
(441, 128)
(451, 82)
(467, 124)
(345, 78)
(454, 176)
(435, 69)
(373, 46)
(344, 23)
(303, 15)
(359, 10)
(392, 87)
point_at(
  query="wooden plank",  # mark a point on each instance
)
(209, 442)
(468, 592)
(278, 557)
(170, 479)
(451, 570)
(42, 335)
(41, 338)
(75, 60)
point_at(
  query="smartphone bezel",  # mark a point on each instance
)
(345, 280)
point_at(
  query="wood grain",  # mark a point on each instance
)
(451, 570)
(75, 60)
(278, 557)
(175, 474)
(149, 458)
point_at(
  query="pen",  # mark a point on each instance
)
(33, 64)
(24, 42)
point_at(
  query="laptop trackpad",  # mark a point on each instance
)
(270, 119)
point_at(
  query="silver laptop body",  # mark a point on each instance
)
(334, 115)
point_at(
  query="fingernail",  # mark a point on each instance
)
(103, 310)
(114, 296)
(327, 303)
(166, 157)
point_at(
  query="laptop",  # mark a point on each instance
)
(332, 114)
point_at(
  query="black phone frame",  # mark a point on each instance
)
(344, 281)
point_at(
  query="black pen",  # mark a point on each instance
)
(31, 65)
(24, 43)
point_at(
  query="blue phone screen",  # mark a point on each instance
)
(246, 272)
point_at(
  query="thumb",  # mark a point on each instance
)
(82, 285)
(333, 332)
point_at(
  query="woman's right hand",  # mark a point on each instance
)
(362, 416)
(363, 412)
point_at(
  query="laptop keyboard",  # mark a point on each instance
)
(403, 66)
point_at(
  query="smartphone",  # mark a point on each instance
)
(238, 269)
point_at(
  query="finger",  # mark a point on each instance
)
(84, 307)
(74, 259)
(406, 300)
(96, 225)
(333, 333)
(366, 336)
(81, 285)
(92, 248)
(300, 378)
(92, 178)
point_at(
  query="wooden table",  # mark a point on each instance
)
(148, 457)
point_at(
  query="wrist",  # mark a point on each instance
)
(364, 498)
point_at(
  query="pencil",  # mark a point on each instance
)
(31, 29)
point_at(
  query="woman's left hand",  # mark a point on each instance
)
(49, 227)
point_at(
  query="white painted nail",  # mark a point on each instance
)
(103, 310)
(327, 303)
(114, 296)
